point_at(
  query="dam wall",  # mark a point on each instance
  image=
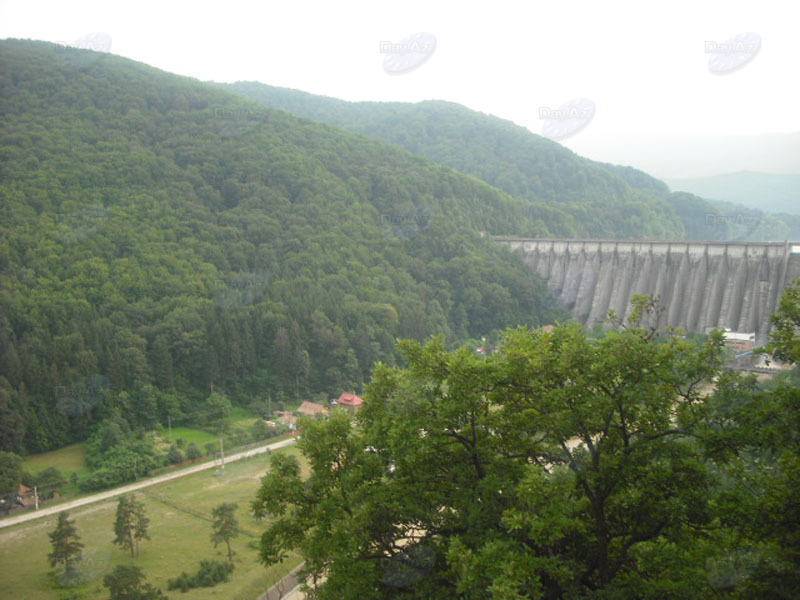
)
(702, 286)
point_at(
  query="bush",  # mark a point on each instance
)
(193, 452)
(180, 442)
(174, 456)
(211, 573)
(50, 480)
(211, 448)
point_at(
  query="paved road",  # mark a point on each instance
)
(43, 512)
(287, 588)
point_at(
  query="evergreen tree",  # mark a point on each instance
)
(66, 544)
(131, 524)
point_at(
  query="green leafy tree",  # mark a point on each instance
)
(66, 544)
(217, 410)
(560, 466)
(753, 436)
(225, 526)
(174, 456)
(50, 480)
(131, 524)
(193, 452)
(10, 478)
(127, 582)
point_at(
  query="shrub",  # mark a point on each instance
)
(211, 572)
(193, 452)
(174, 456)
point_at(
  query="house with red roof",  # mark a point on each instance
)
(349, 402)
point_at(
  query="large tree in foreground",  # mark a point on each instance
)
(561, 466)
(754, 436)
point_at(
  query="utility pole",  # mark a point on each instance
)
(36, 497)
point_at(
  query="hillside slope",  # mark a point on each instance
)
(172, 239)
(574, 196)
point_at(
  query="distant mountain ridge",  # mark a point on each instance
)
(576, 197)
(771, 192)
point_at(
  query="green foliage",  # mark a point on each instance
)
(211, 573)
(146, 244)
(131, 524)
(784, 339)
(49, 480)
(174, 456)
(565, 194)
(115, 455)
(66, 544)
(10, 477)
(560, 466)
(127, 582)
(193, 452)
(225, 526)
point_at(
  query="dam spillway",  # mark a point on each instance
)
(700, 285)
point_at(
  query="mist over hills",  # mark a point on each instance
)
(771, 192)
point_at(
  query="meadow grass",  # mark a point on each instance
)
(67, 459)
(180, 529)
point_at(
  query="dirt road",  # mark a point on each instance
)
(43, 512)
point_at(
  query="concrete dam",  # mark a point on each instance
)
(701, 285)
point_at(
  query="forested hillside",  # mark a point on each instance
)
(575, 196)
(169, 239)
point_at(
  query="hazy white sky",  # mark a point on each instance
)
(645, 66)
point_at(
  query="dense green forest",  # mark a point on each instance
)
(174, 240)
(575, 196)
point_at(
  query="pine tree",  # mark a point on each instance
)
(225, 526)
(131, 524)
(66, 544)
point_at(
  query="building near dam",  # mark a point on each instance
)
(701, 285)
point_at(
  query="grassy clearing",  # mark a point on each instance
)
(68, 459)
(198, 436)
(180, 539)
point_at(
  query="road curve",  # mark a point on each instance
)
(44, 512)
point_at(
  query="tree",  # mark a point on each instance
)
(10, 478)
(752, 435)
(560, 466)
(225, 526)
(50, 480)
(127, 582)
(131, 524)
(217, 409)
(174, 456)
(66, 544)
(193, 452)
